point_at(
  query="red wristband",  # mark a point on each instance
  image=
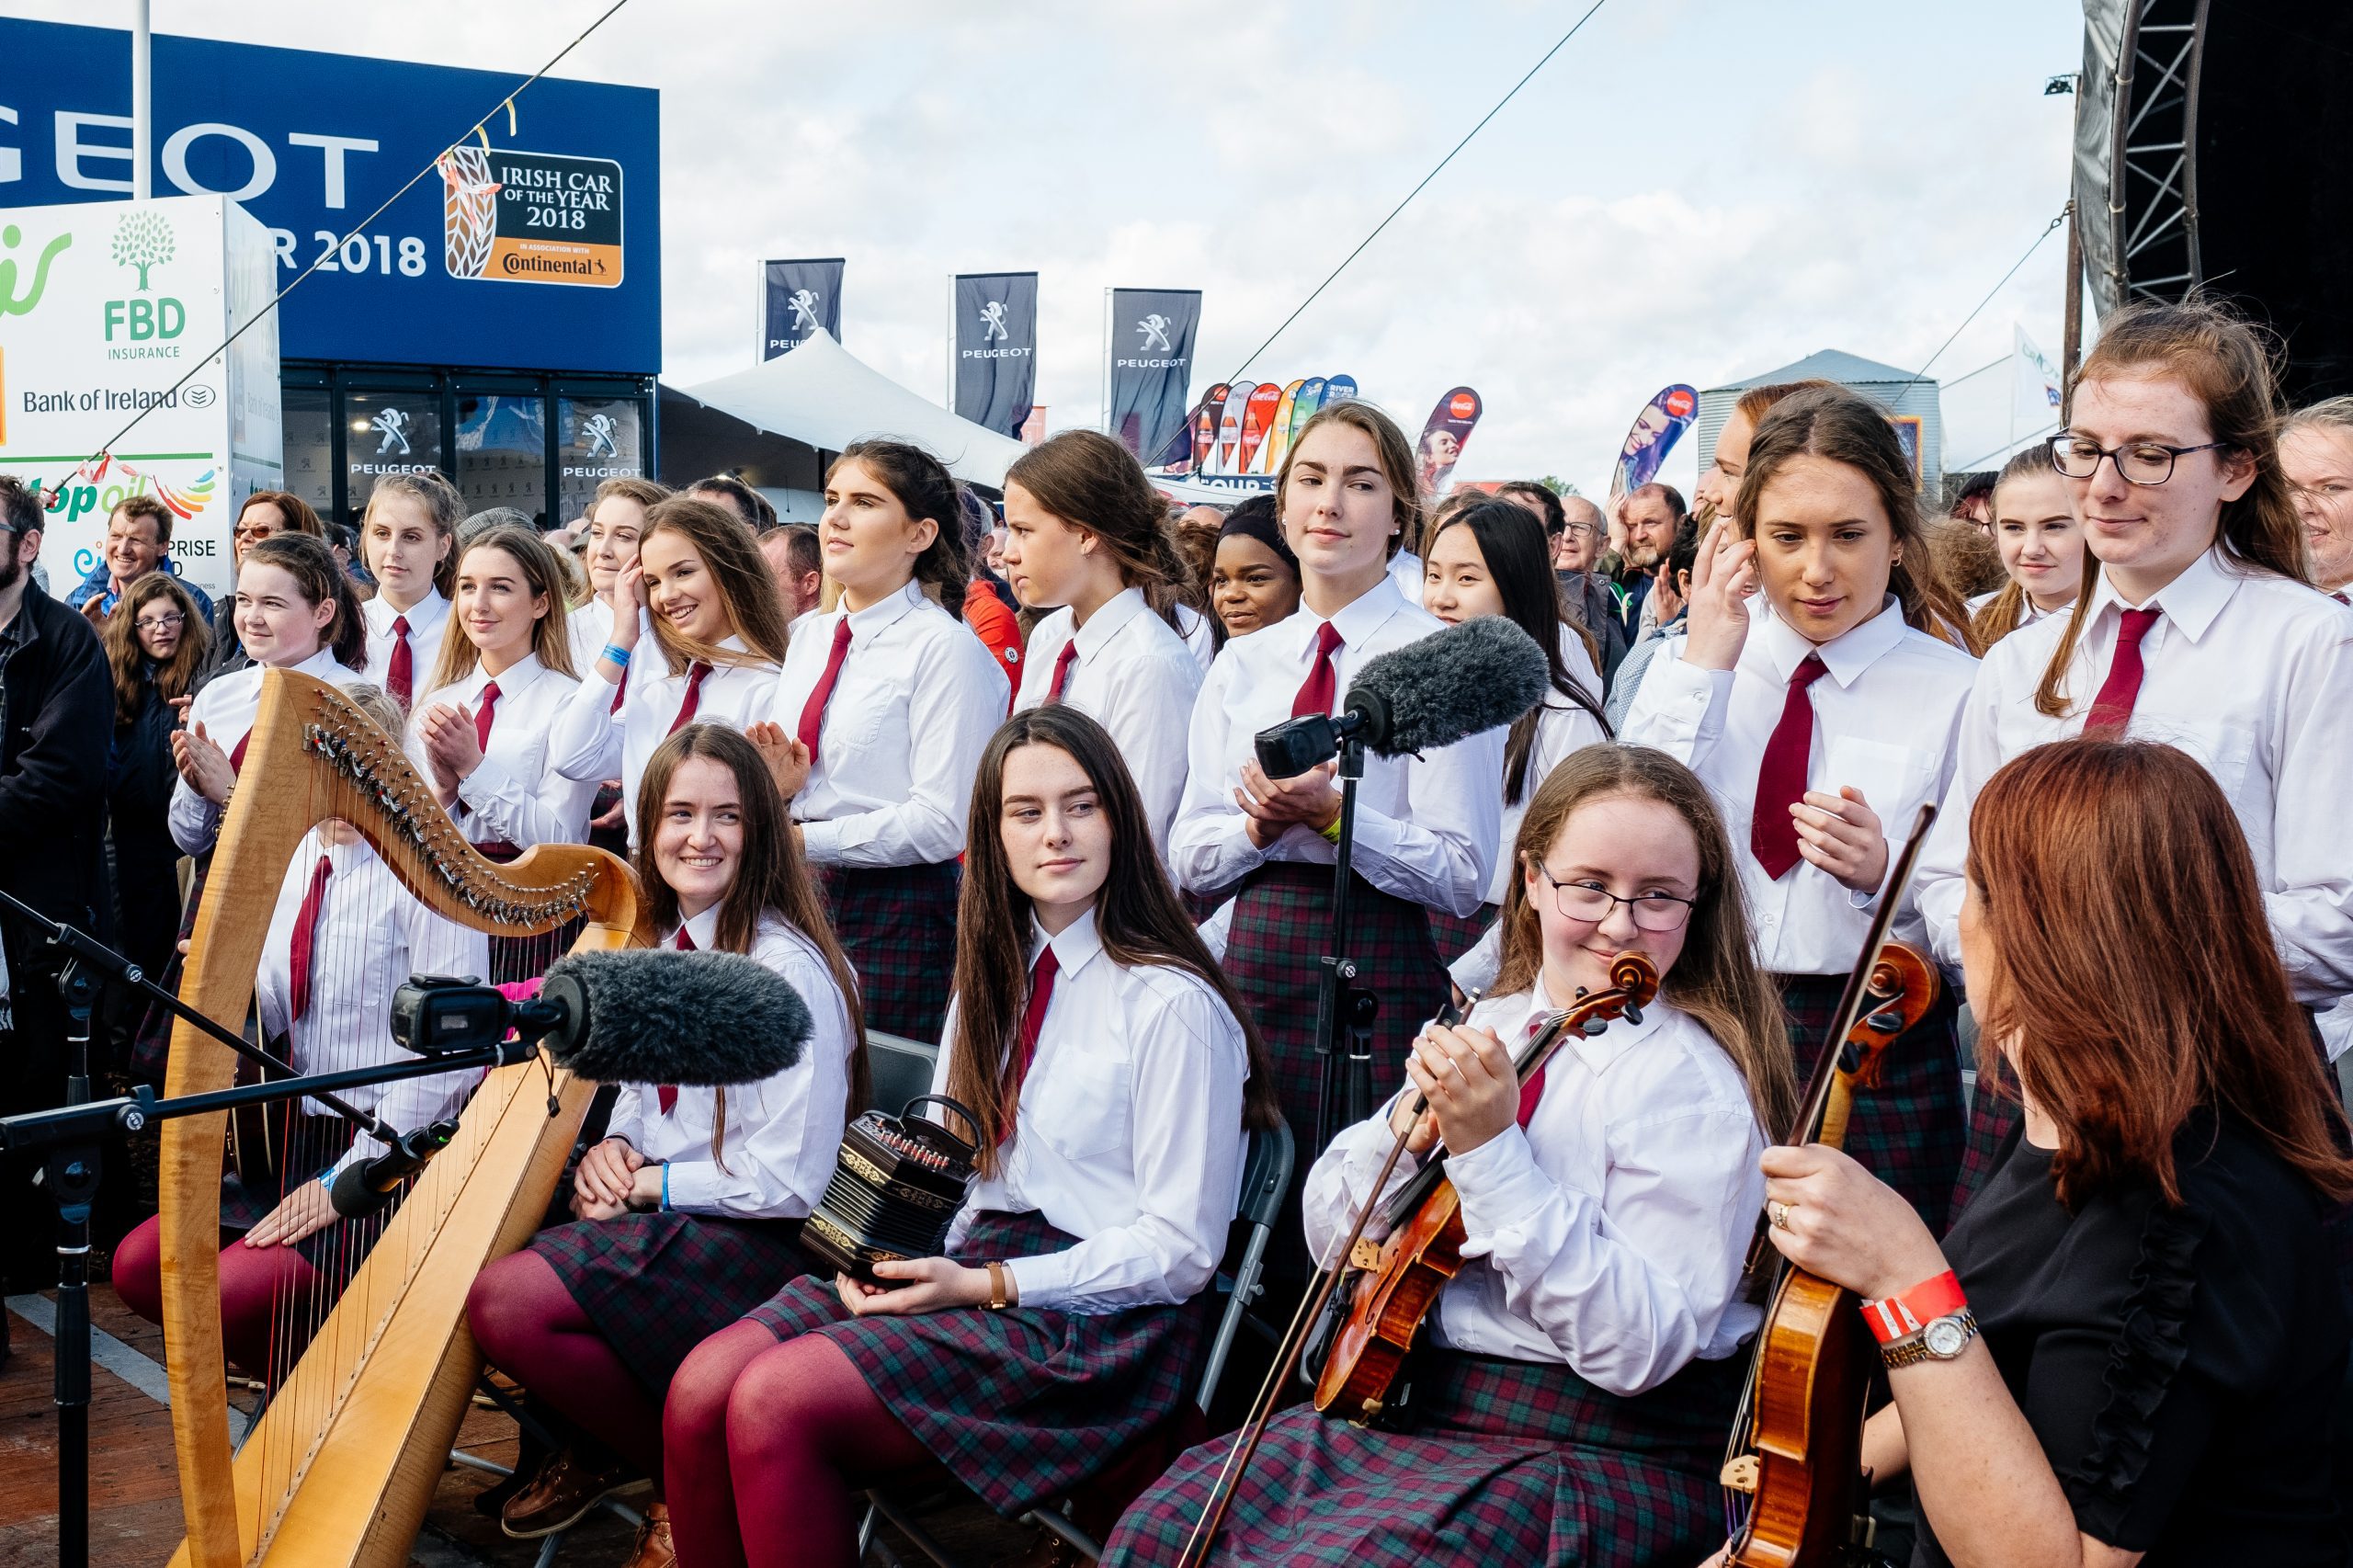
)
(1908, 1311)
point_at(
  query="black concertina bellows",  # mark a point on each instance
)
(897, 1184)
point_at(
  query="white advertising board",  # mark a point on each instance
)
(104, 307)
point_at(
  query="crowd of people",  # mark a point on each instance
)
(982, 774)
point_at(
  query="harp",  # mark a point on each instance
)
(341, 1465)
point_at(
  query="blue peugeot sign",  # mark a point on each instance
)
(533, 243)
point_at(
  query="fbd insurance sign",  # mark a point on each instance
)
(105, 307)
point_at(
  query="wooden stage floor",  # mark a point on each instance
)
(134, 1503)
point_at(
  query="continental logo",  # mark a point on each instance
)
(530, 217)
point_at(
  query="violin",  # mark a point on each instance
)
(1398, 1281)
(1793, 1467)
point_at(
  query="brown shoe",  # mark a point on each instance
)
(653, 1548)
(566, 1489)
(1048, 1550)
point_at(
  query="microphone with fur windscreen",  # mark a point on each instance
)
(1445, 688)
(659, 1015)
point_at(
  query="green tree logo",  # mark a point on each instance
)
(142, 239)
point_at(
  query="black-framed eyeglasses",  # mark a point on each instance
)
(1653, 912)
(171, 622)
(2140, 462)
(1577, 531)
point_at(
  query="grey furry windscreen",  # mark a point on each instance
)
(1455, 683)
(658, 1016)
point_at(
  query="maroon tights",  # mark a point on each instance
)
(270, 1298)
(765, 1443)
(530, 1328)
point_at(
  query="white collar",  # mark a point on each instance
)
(1357, 620)
(1845, 656)
(1105, 623)
(702, 930)
(1076, 943)
(883, 612)
(2190, 601)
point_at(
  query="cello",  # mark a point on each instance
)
(1793, 1471)
(1397, 1283)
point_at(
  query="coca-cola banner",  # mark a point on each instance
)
(996, 349)
(1151, 365)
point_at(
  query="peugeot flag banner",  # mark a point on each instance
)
(1151, 365)
(796, 298)
(996, 348)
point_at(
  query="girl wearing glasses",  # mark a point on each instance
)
(2196, 625)
(1820, 712)
(1572, 1393)
(155, 648)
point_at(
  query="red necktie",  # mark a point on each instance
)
(1063, 663)
(1323, 681)
(2112, 709)
(1781, 778)
(306, 937)
(237, 758)
(667, 1094)
(620, 690)
(1533, 1089)
(483, 716)
(1033, 1021)
(695, 673)
(813, 712)
(396, 673)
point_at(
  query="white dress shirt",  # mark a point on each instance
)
(1611, 1232)
(2247, 672)
(1406, 570)
(783, 1133)
(371, 934)
(914, 705)
(1194, 627)
(428, 623)
(513, 797)
(591, 741)
(1426, 827)
(225, 707)
(1884, 719)
(1127, 1134)
(1134, 676)
(2028, 612)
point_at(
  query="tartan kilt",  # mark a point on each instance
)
(1282, 920)
(307, 1145)
(1992, 1111)
(1455, 934)
(658, 1285)
(1511, 1463)
(1021, 1405)
(1909, 1131)
(897, 924)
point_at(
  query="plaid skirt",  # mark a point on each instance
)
(1511, 1463)
(1021, 1405)
(658, 1285)
(1282, 919)
(1908, 1131)
(897, 924)
(307, 1145)
(1455, 934)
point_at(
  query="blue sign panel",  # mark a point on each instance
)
(535, 245)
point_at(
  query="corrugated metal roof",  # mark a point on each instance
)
(1893, 388)
(1829, 365)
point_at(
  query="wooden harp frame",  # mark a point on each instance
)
(383, 1396)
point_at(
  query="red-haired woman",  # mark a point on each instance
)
(2197, 625)
(2131, 1342)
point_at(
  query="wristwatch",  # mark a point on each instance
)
(1940, 1339)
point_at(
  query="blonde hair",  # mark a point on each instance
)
(550, 634)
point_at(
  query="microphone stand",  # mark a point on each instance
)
(1344, 1010)
(75, 1136)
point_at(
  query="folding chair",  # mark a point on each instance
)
(1266, 1176)
(900, 1067)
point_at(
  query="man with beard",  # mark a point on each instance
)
(56, 718)
(1650, 516)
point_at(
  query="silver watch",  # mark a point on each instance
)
(1940, 1339)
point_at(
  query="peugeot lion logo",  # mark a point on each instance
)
(1155, 333)
(392, 425)
(993, 321)
(805, 309)
(599, 430)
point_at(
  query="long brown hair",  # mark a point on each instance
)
(2134, 980)
(127, 660)
(771, 876)
(924, 488)
(2005, 611)
(1716, 978)
(2223, 361)
(1137, 917)
(1395, 454)
(1091, 481)
(317, 577)
(1839, 426)
(542, 574)
(737, 571)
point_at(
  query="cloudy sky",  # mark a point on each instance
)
(1692, 190)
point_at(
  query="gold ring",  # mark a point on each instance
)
(1778, 1213)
